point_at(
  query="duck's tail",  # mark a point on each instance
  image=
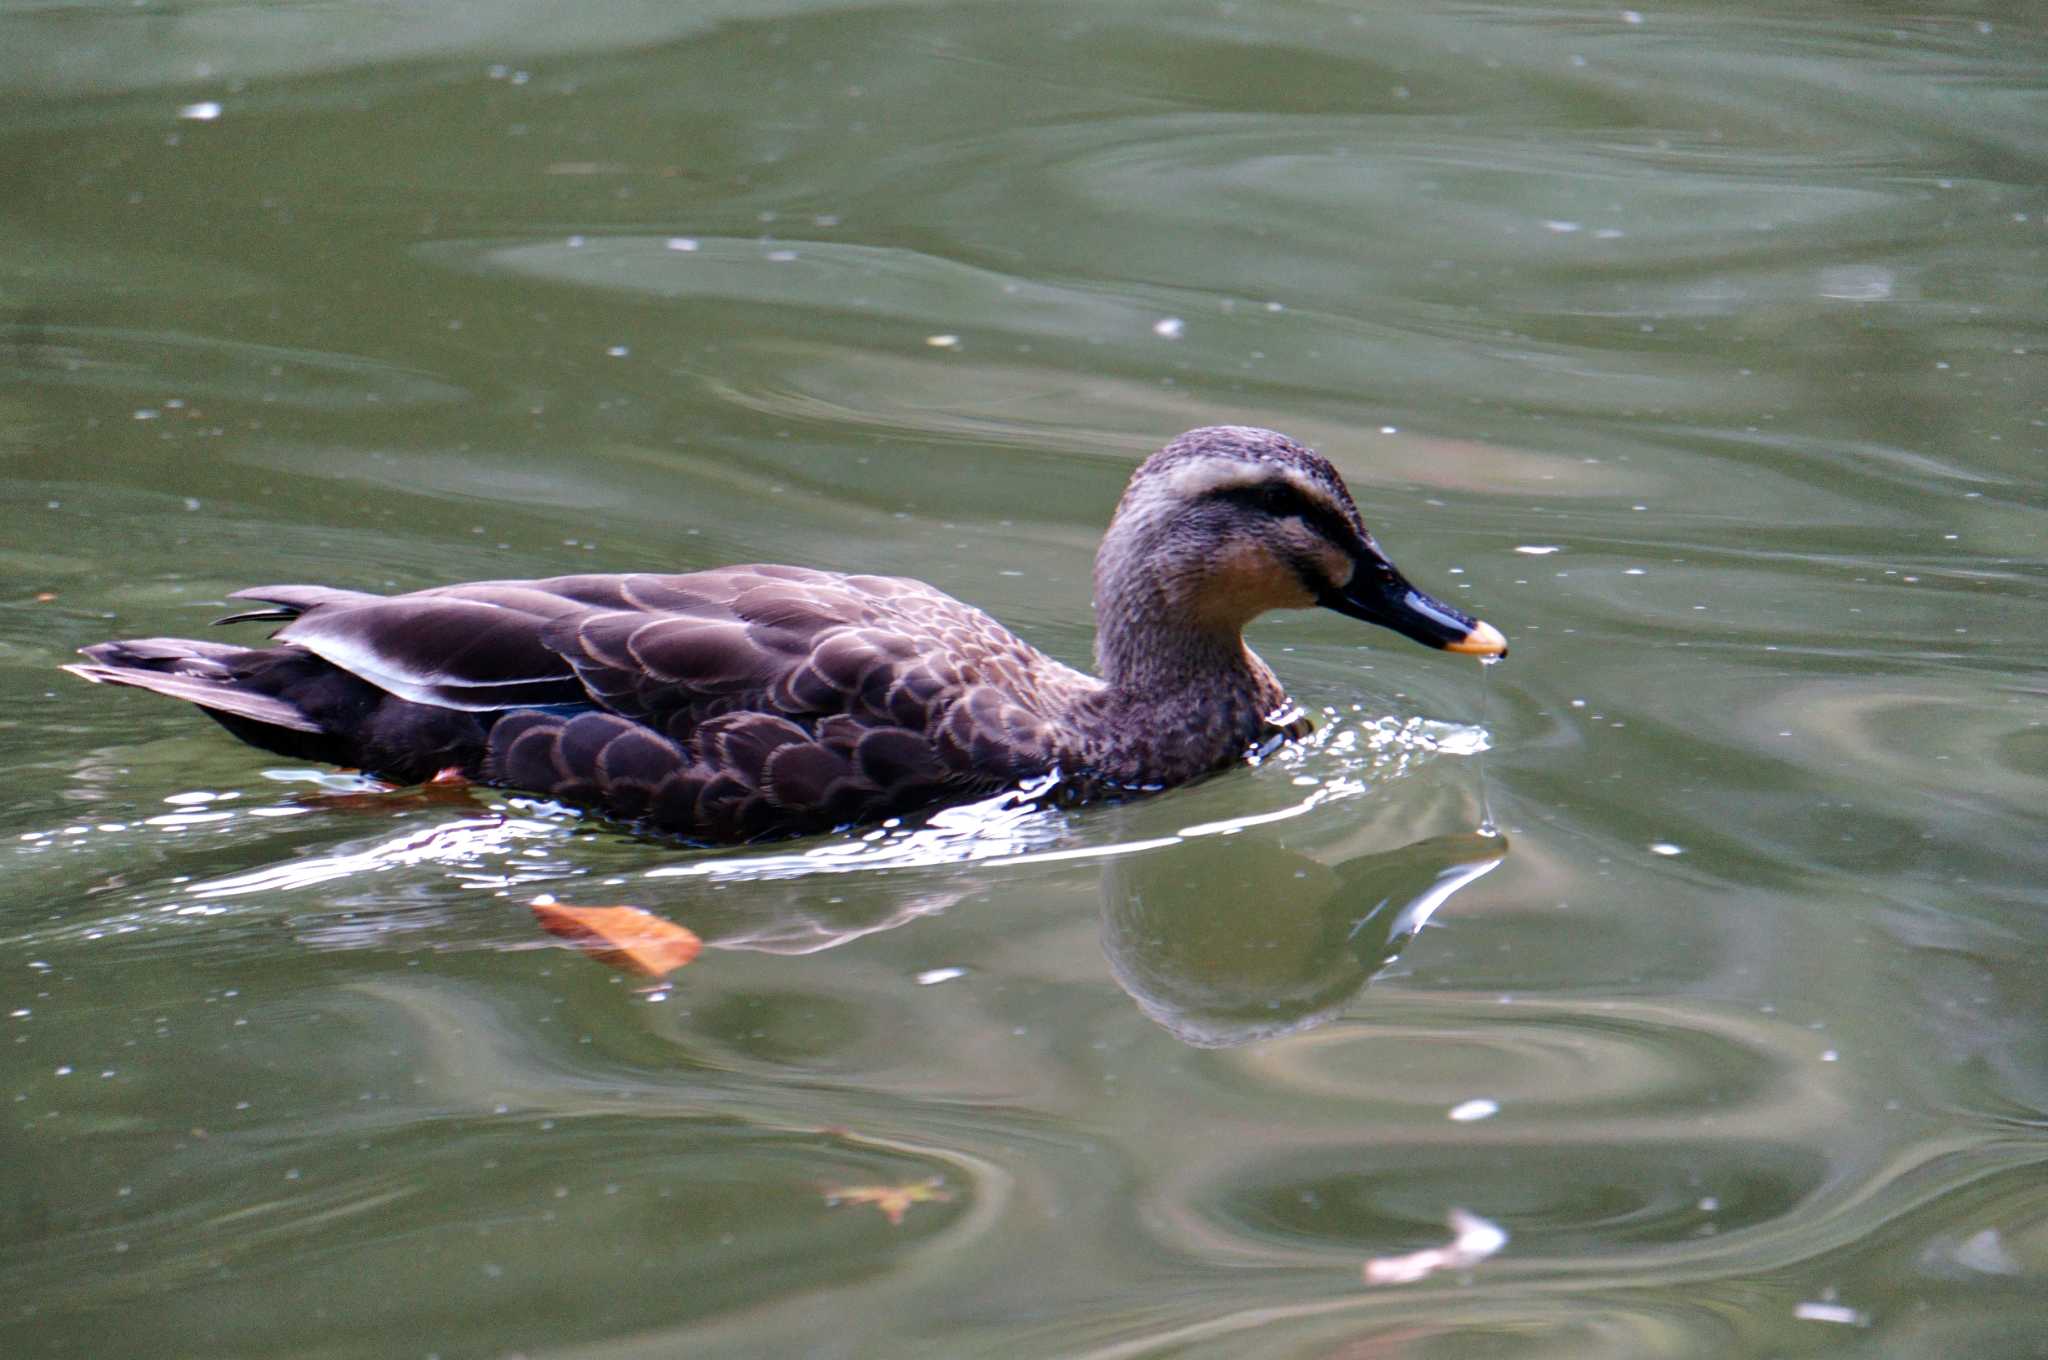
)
(287, 701)
(216, 676)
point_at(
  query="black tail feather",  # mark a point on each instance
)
(216, 696)
(289, 702)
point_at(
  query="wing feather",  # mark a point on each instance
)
(730, 703)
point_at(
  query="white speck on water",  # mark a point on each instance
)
(782, 256)
(932, 976)
(1609, 234)
(1666, 848)
(1473, 1240)
(205, 111)
(1537, 549)
(1708, 1204)
(1169, 327)
(682, 243)
(1831, 1056)
(1816, 1311)
(1857, 282)
(1472, 1110)
(575, 243)
(1985, 1254)
(1629, 16)
(1561, 228)
(617, 351)
(1635, 571)
(1390, 429)
(65, 1070)
(943, 341)
(147, 413)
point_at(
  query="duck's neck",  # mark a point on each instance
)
(1181, 695)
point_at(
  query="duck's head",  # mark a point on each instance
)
(1228, 522)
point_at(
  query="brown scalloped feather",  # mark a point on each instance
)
(628, 938)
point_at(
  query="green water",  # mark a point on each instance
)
(1700, 350)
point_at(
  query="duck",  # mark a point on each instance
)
(743, 703)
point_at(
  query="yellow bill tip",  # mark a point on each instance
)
(1483, 640)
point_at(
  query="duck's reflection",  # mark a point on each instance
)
(1228, 939)
(1222, 932)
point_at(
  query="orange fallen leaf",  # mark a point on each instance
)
(627, 938)
(893, 1200)
(45, 596)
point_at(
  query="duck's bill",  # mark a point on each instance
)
(1387, 600)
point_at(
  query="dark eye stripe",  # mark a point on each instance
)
(1282, 500)
(1268, 498)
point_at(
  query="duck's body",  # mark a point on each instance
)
(745, 702)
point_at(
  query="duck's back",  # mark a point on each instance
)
(723, 704)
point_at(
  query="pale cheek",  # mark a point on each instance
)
(1242, 589)
(1338, 568)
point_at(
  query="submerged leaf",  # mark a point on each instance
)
(893, 1200)
(388, 799)
(627, 938)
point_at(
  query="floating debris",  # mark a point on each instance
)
(627, 938)
(1473, 1240)
(893, 1200)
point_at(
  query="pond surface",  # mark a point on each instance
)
(1701, 350)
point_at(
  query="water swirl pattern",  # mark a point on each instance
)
(1700, 349)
